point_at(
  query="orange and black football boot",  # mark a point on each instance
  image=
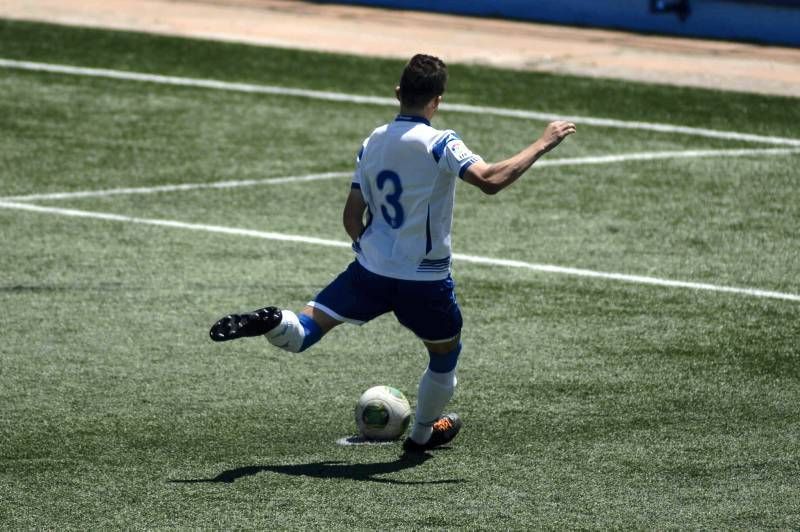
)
(444, 430)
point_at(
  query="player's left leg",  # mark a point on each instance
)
(297, 332)
(352, 297)
(282, 328)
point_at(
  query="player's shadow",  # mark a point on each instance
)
(362, 472)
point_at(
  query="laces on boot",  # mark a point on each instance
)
(442, 424)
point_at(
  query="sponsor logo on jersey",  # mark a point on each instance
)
(459, 150)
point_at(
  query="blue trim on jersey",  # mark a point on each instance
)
(428, 243)
(466, 165)
(356, 186)
(412, 118)
(360, 153)
(435, 262)
(434, 265)
(444, 363)
(438, 149)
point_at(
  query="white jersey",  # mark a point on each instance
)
(406, 172)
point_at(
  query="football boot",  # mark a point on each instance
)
(254, 323)
(444, 430)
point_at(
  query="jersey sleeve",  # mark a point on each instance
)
(356, 183)
(452, 155)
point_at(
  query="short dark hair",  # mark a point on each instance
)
(424, 78)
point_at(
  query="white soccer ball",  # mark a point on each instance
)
(382, 413)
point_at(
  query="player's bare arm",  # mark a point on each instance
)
(353, 215)
(492, 178)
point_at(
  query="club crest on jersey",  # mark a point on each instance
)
(459, 150)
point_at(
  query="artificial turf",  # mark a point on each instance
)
(588, 403)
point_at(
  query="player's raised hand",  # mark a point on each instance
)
(555, 132)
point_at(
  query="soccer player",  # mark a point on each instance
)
(398, 214)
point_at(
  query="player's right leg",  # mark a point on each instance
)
(436, 387)
(431, 311)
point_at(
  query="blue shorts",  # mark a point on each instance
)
(428, 308)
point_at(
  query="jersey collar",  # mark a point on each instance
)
(412, 118)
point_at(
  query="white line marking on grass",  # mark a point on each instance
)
(637, 279)
(349, 441)
(576, 161)
(173, 224)
(182, 187)
(622, 124)
(546, 268)
(374, 100)
(658, 155)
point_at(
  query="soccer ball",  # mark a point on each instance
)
(382, 413)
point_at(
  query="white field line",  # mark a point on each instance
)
(576, 161)
(173, 224)
(660, 155)
(181, 187)
(374, 100)
(546, 268)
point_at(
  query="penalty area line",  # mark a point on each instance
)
(573, 161)
(179, 187)
(172, 224)
(331, 96)
(489, 261)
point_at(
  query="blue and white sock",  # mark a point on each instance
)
(295, 333)
(436, 388)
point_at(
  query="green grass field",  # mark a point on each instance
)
(587, 402)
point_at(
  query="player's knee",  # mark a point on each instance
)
(444, 362)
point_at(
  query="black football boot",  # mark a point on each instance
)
(254, 323)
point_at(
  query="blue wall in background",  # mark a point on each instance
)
(765, 21)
